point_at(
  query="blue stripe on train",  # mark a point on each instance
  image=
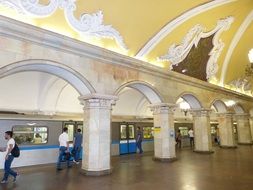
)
(57, 146)
(39, 147)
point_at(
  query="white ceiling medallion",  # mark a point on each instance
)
(88, 24)
(177, 53)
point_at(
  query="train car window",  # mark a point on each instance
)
(71, 128)
(131, 131)
(30, 135)
(148, 132)
(123, 132)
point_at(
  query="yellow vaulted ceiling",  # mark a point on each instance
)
(239, 58)
(139, 21)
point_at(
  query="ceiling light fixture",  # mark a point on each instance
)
(250, 55)
(184, 106)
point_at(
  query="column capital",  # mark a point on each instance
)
(162, 108)
(97, 100)
(200, 112)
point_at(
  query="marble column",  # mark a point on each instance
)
(164, 133)
(251, 127)
(202, 131)
(226, 131)
(243, 129)
(97, 134)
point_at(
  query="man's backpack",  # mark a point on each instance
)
(15, 152)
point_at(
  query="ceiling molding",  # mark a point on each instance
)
(177, 53)
(90, 25)
(243, 27)
(168, 28)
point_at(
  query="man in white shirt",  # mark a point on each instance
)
(9, 158)
(64, 148)
(191, 135)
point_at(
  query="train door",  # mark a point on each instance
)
(127, 139)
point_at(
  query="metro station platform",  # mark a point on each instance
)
(226, 169)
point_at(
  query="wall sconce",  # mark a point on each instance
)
(184, 106)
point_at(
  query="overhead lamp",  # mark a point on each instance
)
(250, 55)
(184, 106)
(230, 103)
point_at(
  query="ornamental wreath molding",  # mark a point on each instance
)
(178, 53)
(88, 24)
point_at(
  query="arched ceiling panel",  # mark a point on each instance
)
(239, 58)
(131, 103)
(18, 91)
(44, 94)
(68, 101)
(208, 20)
(127, 17)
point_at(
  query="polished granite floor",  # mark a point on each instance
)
(225, 169)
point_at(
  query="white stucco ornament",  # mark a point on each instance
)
(177, 53)
(88, 24)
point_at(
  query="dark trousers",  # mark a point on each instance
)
(192, 141)
(7, 168)
(77, 150)
(139, 146)
(62, 152)
(179, 143)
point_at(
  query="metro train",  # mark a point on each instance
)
(38, 139)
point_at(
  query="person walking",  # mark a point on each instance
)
(179, 139)
(77, 145)
(191, 136)
(139, 140)
(9, 158)
(64, 148)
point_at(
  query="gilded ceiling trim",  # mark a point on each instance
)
(178, 53)
(155, 40)
(247, 21)
(88, 24)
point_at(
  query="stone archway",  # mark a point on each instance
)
(164, 142)
(81, 84)
(145, 88)
(225, 130)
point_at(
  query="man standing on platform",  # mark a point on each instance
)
(191, 135)
(64, 148)
(78, 139)
(139, 140)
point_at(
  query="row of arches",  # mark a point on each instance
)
(83, 86)
(145, 95)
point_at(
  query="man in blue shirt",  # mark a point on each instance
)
(139, 140)
(77, 145)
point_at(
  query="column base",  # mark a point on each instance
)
(227, 147)
(96, 173)
(204, 151)
(164, 159)
(245, 143)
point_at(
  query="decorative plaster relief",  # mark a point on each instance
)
(242, 84)
(178, 53)
(88, 24)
